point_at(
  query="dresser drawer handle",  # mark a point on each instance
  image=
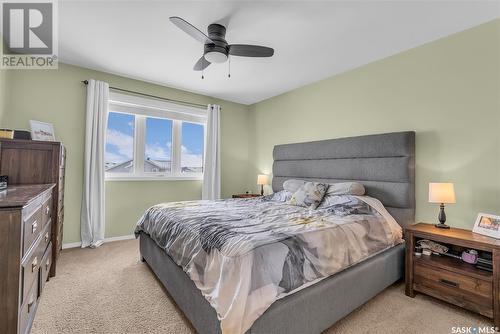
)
(448, 283)
(30, 303)
(47, 265)
(34, 264)
(46, 236)
(34, 226)
(47, 210)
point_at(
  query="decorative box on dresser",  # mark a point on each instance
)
(25, 253)
(38, 162)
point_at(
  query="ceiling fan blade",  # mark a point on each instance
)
(190, 29)
(244, 50)
(201, 64)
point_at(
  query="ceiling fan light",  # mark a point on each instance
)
(215, 57)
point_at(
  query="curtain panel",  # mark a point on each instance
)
(211, 169)
(93, 204)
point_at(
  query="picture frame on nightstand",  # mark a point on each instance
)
(487, 224)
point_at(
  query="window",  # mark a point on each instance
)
(158, 152)
(152, 139)
(119, 153)
(193, 136)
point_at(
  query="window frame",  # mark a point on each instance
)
(143, 108)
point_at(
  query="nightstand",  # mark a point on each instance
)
(450, 279)
(246, 195)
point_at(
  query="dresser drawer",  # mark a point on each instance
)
(45, 267)
(28, 309)
(468, 292)
(29, 272)
(45, 239)
(32, 225)
(46, 210)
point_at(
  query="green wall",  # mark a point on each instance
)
(447, 91)
(3, 93)
(58, 97)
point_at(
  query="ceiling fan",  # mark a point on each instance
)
(215, 47)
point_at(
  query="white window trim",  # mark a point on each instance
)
(142, 108)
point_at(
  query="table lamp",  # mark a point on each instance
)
(262, 179)
(442, 193)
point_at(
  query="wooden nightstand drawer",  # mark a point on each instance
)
(468, 292)
(453, 280)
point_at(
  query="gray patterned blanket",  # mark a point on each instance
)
(244, 254)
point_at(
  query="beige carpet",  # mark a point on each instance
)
(108, 290)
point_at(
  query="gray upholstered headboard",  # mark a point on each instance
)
(384, 164)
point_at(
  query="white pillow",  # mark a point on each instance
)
(293, 185)
(345, 188)
(341, 188)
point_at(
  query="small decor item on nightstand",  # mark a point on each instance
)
(4, 180)
(432, 246)
(262, 179)
(470, 256)
(487, 224)
(418, 251)
(442, 193)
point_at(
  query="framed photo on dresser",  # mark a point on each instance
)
(42, 131)
(487, 224)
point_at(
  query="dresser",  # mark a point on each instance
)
(38, 162)
(25, 253)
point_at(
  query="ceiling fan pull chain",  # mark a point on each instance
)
(202, 74)
(229, 73)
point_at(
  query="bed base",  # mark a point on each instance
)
(308, 311)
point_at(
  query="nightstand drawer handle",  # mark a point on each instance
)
(448, 283)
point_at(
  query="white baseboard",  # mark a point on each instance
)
(72, 245)
(79, 244)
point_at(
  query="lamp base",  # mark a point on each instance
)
(442, 225)
(442, 218)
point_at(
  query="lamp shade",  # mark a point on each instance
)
(441, 193)
(262, 179)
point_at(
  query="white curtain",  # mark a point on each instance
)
(92, 215)
(211, 168)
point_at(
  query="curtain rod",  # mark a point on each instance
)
(204, 106)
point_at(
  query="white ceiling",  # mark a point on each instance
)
(312, 40)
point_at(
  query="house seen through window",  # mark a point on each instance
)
(147, 141)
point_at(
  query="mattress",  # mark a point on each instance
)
(245, 254)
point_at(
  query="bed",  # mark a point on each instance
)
(385, 165)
